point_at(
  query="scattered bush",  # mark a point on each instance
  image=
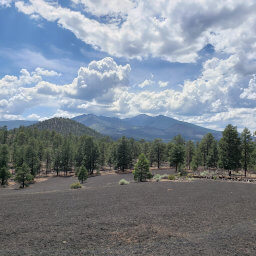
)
(171, 177)
(141, 170)
(157, 177)
(205, 173)
(164, 177)
(123, 182)
(82, 174)
(75, 185)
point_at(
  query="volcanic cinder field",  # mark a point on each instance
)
(151, 218)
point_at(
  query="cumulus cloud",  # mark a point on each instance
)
(103, 87)
(172, 30)
(163, 84)
(6, 3)
(98, 80)
(145, 83)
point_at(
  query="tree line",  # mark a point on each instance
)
(27, 151)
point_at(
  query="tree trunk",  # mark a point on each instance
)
(176, 167)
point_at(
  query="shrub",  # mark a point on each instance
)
(204, 173)
(75, 185)
(157, 177)
(141, 170)
(82, 174)
(171, 177)
(123, 182)
(164, 177)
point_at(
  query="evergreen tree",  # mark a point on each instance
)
(177, 155)
(82, 174)
(229, 149)
(197, 158)
(48, 160)
(123, 154)
(91, 155)
(247, 149)
(23, 175)
(66, 157)
(31, 157)
(57, 161)
(4, 158)
(141, 170)
(189, 152)
(4, 175)
(158, 151)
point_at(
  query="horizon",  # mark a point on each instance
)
(64, 59)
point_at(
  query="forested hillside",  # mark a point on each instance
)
(66, 126)
(32, 150)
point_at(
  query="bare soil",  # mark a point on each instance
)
(202, 217)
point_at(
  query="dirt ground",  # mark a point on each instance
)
(203, 217)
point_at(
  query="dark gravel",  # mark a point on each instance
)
(104, 218)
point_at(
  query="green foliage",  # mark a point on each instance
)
(247, 149)
(171, 177)
(158, 177)
(157, 152)
(123, 154)
(75, 185)
(66, 126)
(4, 157)
(177, 155)
(123, 182)
(189, 153)
(23, 175)
(4, 175)
(230, 149)
(82, 174)
(141, 170)
(208, 150)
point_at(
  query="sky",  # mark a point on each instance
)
(193, 60)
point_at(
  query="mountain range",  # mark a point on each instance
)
(138, 127)
(145, 127)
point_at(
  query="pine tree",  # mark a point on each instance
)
(247, 149)
(82, 174)
(4, 157)
(123, 154)
(177, 155)
(158, 151)
(229, 149)
(5, 175)
(66, 157)
(189, 152)
(141, 170)
(23, 175)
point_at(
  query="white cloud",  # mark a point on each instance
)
(163, 84)
(98, 80)
(33, 117)
(213, 99)
(145, 83)
(45, 72)
(250, 92)
(6, 3)
(172, 30)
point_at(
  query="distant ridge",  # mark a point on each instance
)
(66, 126)
(145, 127)
(11, 124)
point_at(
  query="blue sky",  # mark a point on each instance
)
(191, 60)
